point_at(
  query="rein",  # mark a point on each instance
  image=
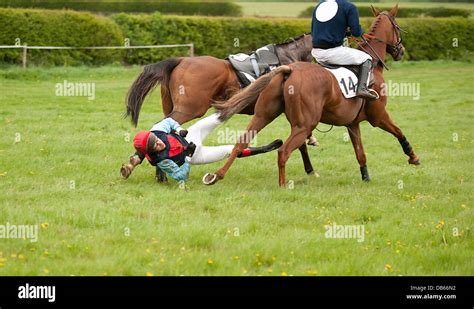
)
(375, 53)
(332, 126)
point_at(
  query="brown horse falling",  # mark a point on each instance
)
(308, 94)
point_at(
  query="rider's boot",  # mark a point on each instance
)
(252, 151)
(362, 87)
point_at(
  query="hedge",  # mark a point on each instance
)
(438, 38)
(427, 38)
(169, 7)
(366, 11)
(58, 28)
(211, 36)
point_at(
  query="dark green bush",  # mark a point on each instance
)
(438, 38)
(427, 38)
(211, 36)
(169, 7)
(58, 28)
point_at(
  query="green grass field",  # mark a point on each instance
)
(293, 9)
(59, 169)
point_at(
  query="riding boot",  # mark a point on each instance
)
(362, 87)
(252, 151)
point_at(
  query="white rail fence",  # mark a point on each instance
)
(25, 48)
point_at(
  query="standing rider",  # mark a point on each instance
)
(331, 19)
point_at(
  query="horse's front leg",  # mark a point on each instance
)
(388, 125)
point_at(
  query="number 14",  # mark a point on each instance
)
(352, 86)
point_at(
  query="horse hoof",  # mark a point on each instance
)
(209, 179)
(312, 141)
(314, 173)
(415, 162)
(366, 179)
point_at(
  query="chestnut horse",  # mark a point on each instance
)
(308, 94)
(188, 85)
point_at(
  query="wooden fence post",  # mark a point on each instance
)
(25, 52)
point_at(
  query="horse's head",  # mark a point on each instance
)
(391, 31)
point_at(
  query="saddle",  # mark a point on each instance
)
(250, 67)
(348, 77)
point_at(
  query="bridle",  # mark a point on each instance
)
(393, 49)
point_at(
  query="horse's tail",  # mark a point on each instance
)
(248, 95)
(152, 75)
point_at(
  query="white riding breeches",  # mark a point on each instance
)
(340, 55)
(198, 132)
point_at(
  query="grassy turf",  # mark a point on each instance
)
(245, 225)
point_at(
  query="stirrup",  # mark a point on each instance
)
(375, 93)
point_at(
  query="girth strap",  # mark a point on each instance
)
(253, 61)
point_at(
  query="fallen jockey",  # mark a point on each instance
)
(174, 149)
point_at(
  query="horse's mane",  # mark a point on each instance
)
(376, 22)
(291, 40)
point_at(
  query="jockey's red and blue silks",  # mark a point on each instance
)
(174, 150)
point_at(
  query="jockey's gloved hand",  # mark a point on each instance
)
(367, 36)
(126, 170)
(348, 33)
(183, 133)
(189, 151)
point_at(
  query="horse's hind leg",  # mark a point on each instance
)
(256, 124)
(296, 139)
(388, 125)
(354, 133)
(268, 106)
(308, 167)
